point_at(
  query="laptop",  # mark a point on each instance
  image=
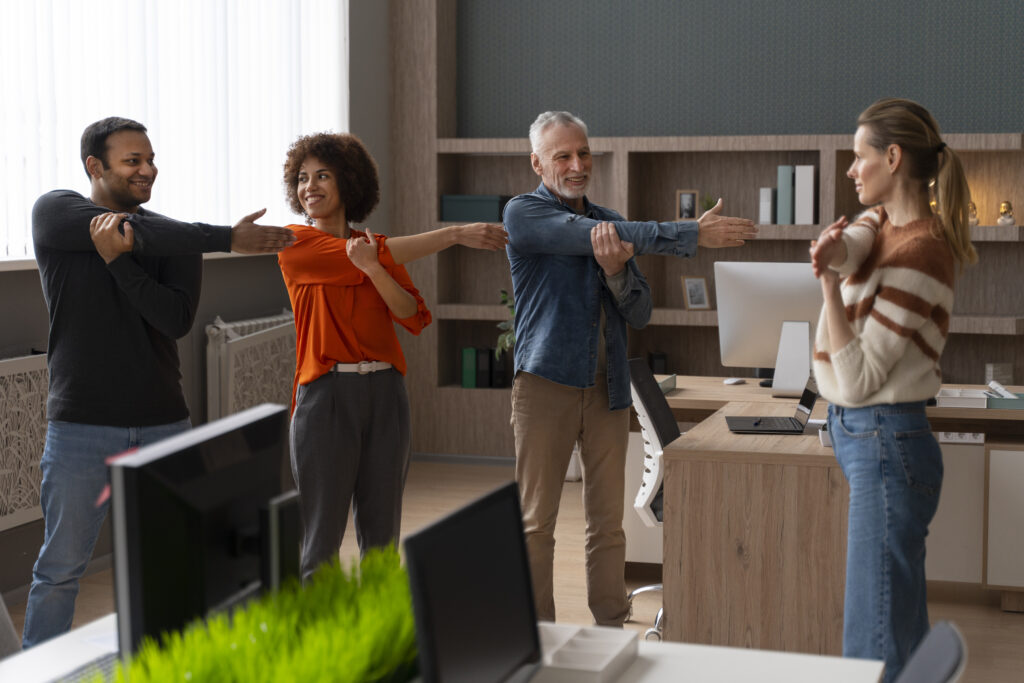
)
(472, 596)
(743, 424)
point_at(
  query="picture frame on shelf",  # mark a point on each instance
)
(686, 205)
(695, 294)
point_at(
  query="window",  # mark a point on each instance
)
(224, 87)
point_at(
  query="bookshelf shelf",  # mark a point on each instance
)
(638, 176)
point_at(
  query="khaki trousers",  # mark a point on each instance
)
(548, 419)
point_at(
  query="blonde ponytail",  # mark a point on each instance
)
(953, 198)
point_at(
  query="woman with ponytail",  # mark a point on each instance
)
(887, 280)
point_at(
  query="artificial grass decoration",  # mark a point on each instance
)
(342, 626)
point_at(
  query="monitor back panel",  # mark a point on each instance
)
(472, 595)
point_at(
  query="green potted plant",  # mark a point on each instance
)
(354, 625)
(708, 201)
(507, 338)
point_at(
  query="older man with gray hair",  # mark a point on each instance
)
(576, 288)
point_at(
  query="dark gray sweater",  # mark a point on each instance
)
(112, 354)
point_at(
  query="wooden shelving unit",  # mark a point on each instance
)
(638, 176)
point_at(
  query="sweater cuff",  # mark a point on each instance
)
(221, 235)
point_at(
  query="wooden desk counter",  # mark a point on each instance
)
(696, 398)
(755, 538)
(755, 525)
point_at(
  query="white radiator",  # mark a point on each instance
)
(23, 388)
(249, 362)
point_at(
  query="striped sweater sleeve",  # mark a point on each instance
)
(859, 237)
(899, 304)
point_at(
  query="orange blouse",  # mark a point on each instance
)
(339, 315)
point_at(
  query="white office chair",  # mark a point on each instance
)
(940, 658)
(657, 428)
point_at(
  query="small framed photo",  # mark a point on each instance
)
(686, 205)
(695, 294)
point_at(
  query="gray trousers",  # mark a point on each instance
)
(349, 444)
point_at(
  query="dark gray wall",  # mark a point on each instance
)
(23, 321)
(708, 67)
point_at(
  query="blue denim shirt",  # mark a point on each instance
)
(559, 289)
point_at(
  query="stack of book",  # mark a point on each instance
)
(791, 202)
(481, 369)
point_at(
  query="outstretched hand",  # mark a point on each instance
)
(716, 231)
(489, 236)
(107, 239)
(610, 252)
(249, 238)
(828, 250)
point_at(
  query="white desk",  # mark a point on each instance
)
(655, 661)
(62, 655)
(660, 661)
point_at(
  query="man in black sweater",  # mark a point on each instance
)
(121, 285)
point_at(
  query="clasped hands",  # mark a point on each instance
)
(828, 250)
(362, 252)
(610, 252)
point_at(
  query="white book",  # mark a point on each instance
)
(803, 195)
(766, 215)
(961, 398)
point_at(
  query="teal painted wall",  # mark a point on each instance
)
(728, 67)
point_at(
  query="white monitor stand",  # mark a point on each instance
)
(793, 362)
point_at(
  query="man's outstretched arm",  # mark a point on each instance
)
(535, 226)
(62, 220)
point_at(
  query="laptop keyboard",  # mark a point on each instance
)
(776, 423)
(103, 666)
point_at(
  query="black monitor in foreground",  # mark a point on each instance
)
(472, 596)
(200, 523)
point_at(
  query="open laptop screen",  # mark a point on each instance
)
(807, 401)
(472, 596)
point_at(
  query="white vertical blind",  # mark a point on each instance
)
(224, 87)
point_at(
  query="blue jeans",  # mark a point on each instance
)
(894, 466)
(74, 474)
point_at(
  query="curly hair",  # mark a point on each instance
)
(352, 166)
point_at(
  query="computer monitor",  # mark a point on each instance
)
(200, 523)
(472, 595)
(755, 299)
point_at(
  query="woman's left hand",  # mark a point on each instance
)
(489, 236)
(362, 251)
(828, 249)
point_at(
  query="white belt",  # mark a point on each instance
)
(362, 367)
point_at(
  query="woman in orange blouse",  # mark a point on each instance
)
(350, 422)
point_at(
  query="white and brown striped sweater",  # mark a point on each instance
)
(898, 292)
